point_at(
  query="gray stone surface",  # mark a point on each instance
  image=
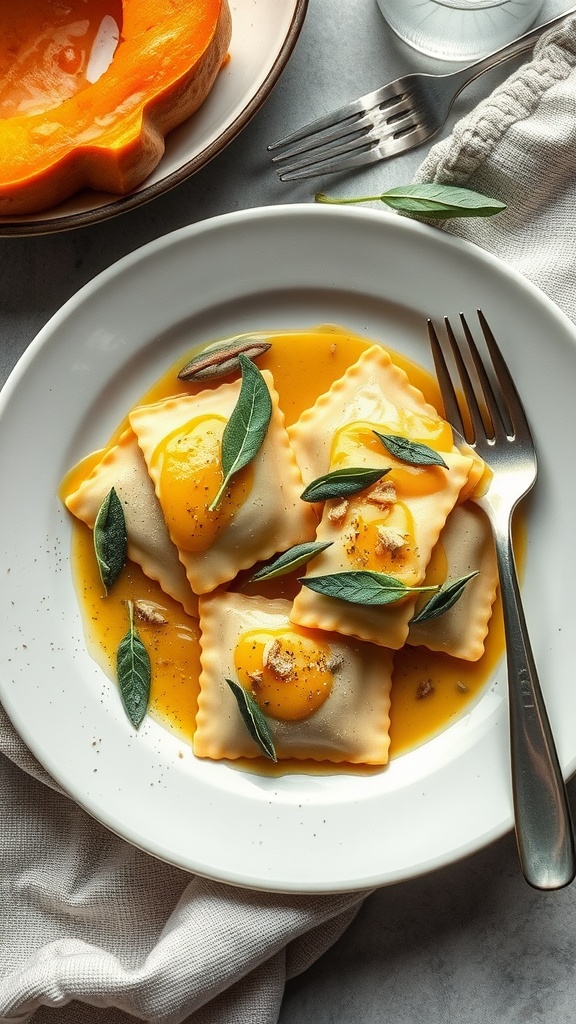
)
(472, 942)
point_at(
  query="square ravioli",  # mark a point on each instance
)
(392, 526)
(396, 538)
(373, 389)
(123, 467)
(325, 698)
(261, 512)
(466, 545)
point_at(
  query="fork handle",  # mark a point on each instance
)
(518, 46)
(544, 829)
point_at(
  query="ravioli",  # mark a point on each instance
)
(319, 668)
(253, 641)
(465, 546)
(393, 526)
(260, 514)
(373, 389)
(123, 467)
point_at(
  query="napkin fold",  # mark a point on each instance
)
(85, 916)
(87, 921)
(519, 146)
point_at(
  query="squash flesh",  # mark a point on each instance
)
(110, 135)
(50, 50)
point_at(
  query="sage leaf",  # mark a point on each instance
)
(133, 673)
(431, 200)
(342, 482)
(361, 586)
(254, 720)
(221, 359)
(443, 599)
(414, 452)
(290, 560)
(247, 426)
(437, 201)
(110, 540)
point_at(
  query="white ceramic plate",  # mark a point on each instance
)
(264, 33)
(282, 267)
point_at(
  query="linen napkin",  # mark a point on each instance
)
(104, 933)
(519, 146)
(84, 916)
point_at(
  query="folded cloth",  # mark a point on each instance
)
(87, 921)
(518, 146)
(85, 916)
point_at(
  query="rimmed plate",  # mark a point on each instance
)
(264, 33)
(382, 276)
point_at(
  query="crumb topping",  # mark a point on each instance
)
(338, 511)
(389, 540)
(382, 494)
(425, 689)
(334, 662)
(147, 611)
(280, 662)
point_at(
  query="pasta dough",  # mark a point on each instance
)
(267, 517)
(123, 467)
(393, 526)
(373, 389)
(466, 545)
(338, 709)
(350, 725)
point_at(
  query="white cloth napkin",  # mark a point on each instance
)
(519, 146)
(86, 921)
(85, 916)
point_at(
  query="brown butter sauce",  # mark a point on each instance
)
(430, 691)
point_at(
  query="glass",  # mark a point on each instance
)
(459, 30)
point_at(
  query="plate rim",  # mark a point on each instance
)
(140, 197)
(150, 251)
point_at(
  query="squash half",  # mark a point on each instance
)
(109, 136)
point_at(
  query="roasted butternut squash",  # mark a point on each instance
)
(64, 126)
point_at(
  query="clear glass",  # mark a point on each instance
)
(459, 30)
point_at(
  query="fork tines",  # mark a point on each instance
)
(352, 135)
(491, 399)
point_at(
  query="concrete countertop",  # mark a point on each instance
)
(471, 943)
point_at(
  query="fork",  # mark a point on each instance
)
(494, 424)
(389, 121)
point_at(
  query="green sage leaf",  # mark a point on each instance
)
(437, 201)
(110, 541)
(444, 598)
(133, 673)
(254, 719)
(414, 452)
(290, 560)
(221, 358)
(431, 200)
(247, 426)
(341, 483)
(361, 586)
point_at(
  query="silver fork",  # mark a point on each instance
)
(384, 123)
(497, 428)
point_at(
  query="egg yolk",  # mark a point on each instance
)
(383, 542)
(288, 674)
(354, 439)
(190, 474)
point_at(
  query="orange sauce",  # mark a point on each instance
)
(430, 691)
(295, 692)
(46, 48)
(190, 475)
(173, 647)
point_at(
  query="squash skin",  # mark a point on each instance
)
(110, 135)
